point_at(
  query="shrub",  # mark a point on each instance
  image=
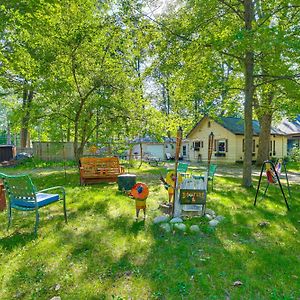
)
(295, 154)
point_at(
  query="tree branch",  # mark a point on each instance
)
(236, 11)
(275, 12)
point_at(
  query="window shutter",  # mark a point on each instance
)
(215, 145)
(253, 146)
(243, 145)
(226, 145)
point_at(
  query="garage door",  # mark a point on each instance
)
(156, 150)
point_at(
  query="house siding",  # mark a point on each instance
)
(202, 132)
(235, 143)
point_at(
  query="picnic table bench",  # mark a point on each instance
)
(99, 169)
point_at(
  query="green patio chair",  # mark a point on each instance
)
(22, 195)
(211, 174)
(182, 169)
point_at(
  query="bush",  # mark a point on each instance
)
(295, 154)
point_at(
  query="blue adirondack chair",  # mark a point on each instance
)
(22, 195)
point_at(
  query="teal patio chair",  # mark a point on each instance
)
(182, 169)
(22, 195)
(211, 174)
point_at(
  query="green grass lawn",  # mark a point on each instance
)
(102, 253)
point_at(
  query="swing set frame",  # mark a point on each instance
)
(277, 177)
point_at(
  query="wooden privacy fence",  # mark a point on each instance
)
(53, 151)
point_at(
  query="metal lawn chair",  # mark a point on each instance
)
(22, 195)
(182, 169)
(211, 174)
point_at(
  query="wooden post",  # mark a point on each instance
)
(210, 148)
(178, 145)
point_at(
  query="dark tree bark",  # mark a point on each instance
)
(26, 106)
(264, 138)
(264, 112)
(249, 92)
(141, 154)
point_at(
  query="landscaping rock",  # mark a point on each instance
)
(180, 227)
(264, 224)
(165, 227)
(57, 287)
(19, 294)
(209, 217)
(210, 212)
(213, 223)
(56, 298)
(195, 229)
(220, 218)
(160, 219)
(176, 220)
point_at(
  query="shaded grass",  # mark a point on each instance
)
(102, 253)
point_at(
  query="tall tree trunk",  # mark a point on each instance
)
(75, 145)
(264, 138)
(69, 132)
(26, 106)
(8, 138)
(249, 92)
(141, 155)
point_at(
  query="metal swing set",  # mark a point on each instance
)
(273, 173)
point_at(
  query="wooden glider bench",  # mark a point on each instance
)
(99, 169)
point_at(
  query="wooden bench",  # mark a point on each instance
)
(99, 169)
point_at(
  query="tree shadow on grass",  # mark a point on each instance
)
(16, 240)
(100, 253)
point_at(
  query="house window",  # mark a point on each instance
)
(253, 146)
(243, 145)
(184, 150)
(221, 146)
(197, 145)
(274, 151)
(201, 144)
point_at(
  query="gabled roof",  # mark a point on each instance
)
(150, 139)
(236, 126)
(290, 127)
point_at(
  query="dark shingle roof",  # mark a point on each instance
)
(290, 127)
(236, 126)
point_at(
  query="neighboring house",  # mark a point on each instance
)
(228, 140)
(292, 132)
(153, 148)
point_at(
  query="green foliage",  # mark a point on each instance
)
(295, 154)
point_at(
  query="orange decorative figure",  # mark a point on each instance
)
(140, 192)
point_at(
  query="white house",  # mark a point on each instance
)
(228, 140)
(292, 131)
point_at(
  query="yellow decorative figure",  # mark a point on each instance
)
(170, 180)
(93, 149)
